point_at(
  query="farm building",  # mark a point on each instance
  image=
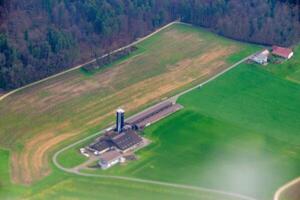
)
(124, 137)
(286, 53)
(262, 57)
(154, 114)
(126, 140)
(123, 141)
(101, 146)
(110, 158)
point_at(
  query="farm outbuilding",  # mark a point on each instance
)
(100, 146)
(262, 57)
(127, 140)
(153, 114)
(124, 138)
(110, 158)
(286, 53)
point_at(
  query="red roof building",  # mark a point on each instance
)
(282, 52)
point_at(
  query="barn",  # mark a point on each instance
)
(127, 140)
(282, 52)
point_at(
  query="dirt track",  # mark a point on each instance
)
(280, 192)
(89, 62)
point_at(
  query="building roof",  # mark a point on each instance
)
(261, 56)
(265, 52)
(101, 145)
(110, 156)
(126, 140)
(281, 51)
(154, 114)
(152, 111)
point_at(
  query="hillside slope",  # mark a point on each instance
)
(39, 38)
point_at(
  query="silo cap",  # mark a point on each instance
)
(120, 110)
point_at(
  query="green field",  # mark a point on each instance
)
(65, 186)
(39, 120)
(288, 70)
(239, 133)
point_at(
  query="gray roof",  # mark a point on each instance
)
(126, 140)
(101, 145)
(152, 111)
(261, 57)
(154, 114)
(110, 156)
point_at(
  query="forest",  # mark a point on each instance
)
(39, 38)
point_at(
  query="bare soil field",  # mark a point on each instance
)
(31, 164)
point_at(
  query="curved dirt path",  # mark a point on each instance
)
(285, 187)
(138, 180)
(153, 182)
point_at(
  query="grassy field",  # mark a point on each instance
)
(288, 70)
(38, 120)
(239, 133)
(64, 186)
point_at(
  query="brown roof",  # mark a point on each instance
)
(110, 156)
(281, 51)
(126, 139)
(101, 145)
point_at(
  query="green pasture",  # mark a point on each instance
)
(288, 69)
(239, 133)
(60, 185)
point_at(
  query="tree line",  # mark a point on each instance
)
(41, 37)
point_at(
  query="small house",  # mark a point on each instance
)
(262, 57)
(110, 158)
(286, 53)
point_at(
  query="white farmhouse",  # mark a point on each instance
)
(110, 158)
(262, 57)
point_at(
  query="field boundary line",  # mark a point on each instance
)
(285, 187)
(173, 99)
(91, 61)
(174, 185)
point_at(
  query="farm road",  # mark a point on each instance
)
(280, 191)
(2, 97)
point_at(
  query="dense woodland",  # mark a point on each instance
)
(42, 37)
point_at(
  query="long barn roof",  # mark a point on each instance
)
(126, 140)
(281, 51)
